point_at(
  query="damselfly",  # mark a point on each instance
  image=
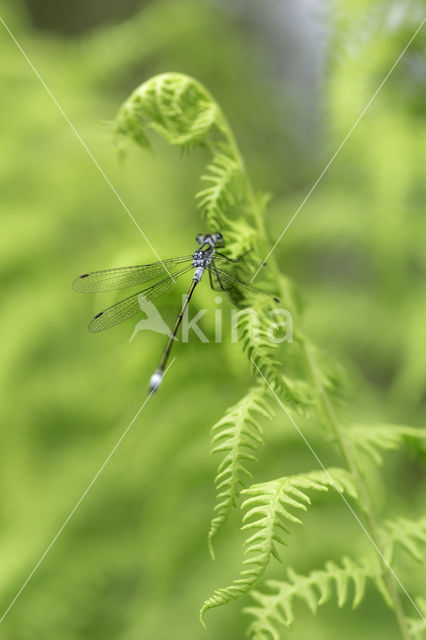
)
(206, 258)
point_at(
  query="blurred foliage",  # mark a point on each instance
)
(133, 561)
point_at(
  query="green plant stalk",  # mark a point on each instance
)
(327, 405)
(364, 496)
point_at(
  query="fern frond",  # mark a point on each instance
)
(275, 609)
(373, 439)
(237, 435)
(268, 509)
(408, 534)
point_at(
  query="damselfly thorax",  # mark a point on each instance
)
(201, 259)
(165, 273)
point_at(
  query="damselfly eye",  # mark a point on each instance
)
(200, 238)
(217, 237)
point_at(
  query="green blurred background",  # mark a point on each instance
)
(292, 77)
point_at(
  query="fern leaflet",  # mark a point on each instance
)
(253, 327)
(268, 509)
(408, 534)
(237, 435)
(275, 609)
(373, 439)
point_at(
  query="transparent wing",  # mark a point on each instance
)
(122, 277)
(128, 307)
(236, 289)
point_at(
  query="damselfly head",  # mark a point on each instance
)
(211, 239)
(217, 238)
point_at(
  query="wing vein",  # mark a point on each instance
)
(123, 277)
(128, 307)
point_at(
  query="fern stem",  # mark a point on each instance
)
(364, 496)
